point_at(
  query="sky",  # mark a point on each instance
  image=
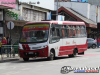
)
(49, 4)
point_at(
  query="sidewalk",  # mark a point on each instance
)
(4, 58)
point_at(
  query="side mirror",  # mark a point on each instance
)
(53, 28)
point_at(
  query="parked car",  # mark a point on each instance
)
(91, 43)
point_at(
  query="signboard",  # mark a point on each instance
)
(61, 18)
(10, 25)
(80, 0)
(8, 3)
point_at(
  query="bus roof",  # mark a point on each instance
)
(60, 22)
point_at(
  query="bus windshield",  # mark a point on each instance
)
(35, 33)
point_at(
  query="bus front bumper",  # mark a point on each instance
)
(33, 53)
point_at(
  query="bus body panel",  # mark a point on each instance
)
(64, 46)
(41, 49)
(70, 44)
(56, 46)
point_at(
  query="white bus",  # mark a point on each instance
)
(52, 39)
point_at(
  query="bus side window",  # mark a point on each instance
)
(70, 31)
(78, 31)
(63, 33)
(52, 33)
(55, 35)
(74, 31)
(58, 32)
(66, 32)
(83, 31)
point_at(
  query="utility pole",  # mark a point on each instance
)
(57, 12)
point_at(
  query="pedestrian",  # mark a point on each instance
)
(0, 44)
(4, 42)
(98, 42)
(95, 40)
(9, 43)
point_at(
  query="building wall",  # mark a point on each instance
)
(79, 7)
(1, 23)
(33, 15)
(92, 13)
(27, 13)
(1, 15)
(15, 33)
(98, 14)
(94, 2)
(85, 9)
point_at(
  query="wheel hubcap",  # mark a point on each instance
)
(51, 55)
(93, 46)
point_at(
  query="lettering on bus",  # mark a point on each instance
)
(31, 27)
(40, 27)
(74, 42)
(67, 42)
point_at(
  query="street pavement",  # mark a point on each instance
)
(42, 66)
(5, 58)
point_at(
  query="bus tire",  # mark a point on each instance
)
(81, 53)
(26, 59)
(52, 55)
(70, 55)
(74, 53)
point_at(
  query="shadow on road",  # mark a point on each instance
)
(97, 51)
(44, 59)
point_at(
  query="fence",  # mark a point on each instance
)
(9, 51)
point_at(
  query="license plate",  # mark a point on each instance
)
(30, 53)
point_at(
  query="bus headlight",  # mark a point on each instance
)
(19, 47)
(45, 46)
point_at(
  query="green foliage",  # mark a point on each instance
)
(11, 14)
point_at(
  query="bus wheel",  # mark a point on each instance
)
(81, 53)
(70, 55)
(74, 53)
(25, 59)
(52, 55)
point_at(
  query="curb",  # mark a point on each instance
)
(9, 59)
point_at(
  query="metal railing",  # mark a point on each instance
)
(9, 51)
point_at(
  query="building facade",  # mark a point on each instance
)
(4, 4)
(94, 2)
(21, 14)
(88, 10)
(78, 11)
